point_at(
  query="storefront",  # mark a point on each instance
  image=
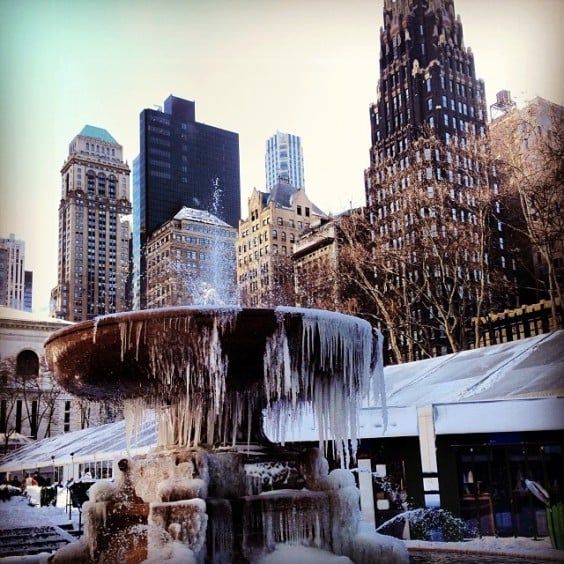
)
(489, 472)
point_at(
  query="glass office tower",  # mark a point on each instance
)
(181, 163)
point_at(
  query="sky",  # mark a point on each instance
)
(307, 67)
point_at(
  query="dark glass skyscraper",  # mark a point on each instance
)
(427, 76)
(181, 163)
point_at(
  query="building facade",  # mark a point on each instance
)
(429, 186)
(16, 283)
(275, 221)
(181, 163)
(527, 143)
(321, 260)
(284, 161)
(32, 404)
(191, 260)
(94, 230)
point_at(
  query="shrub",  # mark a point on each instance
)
(423, 523)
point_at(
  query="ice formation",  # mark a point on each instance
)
(213, 489)
(207, 385)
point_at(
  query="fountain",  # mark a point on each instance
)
(216, 489)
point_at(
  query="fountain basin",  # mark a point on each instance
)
(213, 370)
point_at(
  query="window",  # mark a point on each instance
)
(27, 364)
(299, 210)
(274, 234)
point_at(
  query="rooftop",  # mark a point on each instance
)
(201, 216)
(10, 314)
(97, 133)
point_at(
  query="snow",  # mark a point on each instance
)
(285, 553)
(512, 547)
(16, 513)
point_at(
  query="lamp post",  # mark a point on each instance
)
(69, 498)
(52, 469)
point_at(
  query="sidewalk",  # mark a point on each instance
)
(520, 547)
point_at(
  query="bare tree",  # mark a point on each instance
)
(373, 277)
(281, 289)
(430, 267)
(529, 146)
(28, 395)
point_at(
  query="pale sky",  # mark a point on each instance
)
(307, 67)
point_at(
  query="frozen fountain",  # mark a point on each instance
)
(216, 489)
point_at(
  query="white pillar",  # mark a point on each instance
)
(366, 490)
(428, 451)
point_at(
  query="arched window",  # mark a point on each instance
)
(27, 364)
(274, 234)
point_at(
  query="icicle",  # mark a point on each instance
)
(95, 330)
(377, 375)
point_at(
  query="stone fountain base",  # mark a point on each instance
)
(225, 506)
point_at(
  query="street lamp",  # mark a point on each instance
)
(69, 498)
(52, 469)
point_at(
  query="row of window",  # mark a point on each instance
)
(100, 149)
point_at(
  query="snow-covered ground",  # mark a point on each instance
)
(521, 547)
(16, 512)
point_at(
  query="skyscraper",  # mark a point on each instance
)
(15, 281)
(181, 163)
(93, 230)
(284, 161)
(430, 190)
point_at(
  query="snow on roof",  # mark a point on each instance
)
(105, 442)
(10, 314)
(526, 368)
(200, 215)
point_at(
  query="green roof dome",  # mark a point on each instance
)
(97, 133)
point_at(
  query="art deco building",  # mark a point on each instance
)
(15, 281)
(276, 219)
(284, 161)
(181, 163)
(428, 179)
(191, 260)
(94, 230)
